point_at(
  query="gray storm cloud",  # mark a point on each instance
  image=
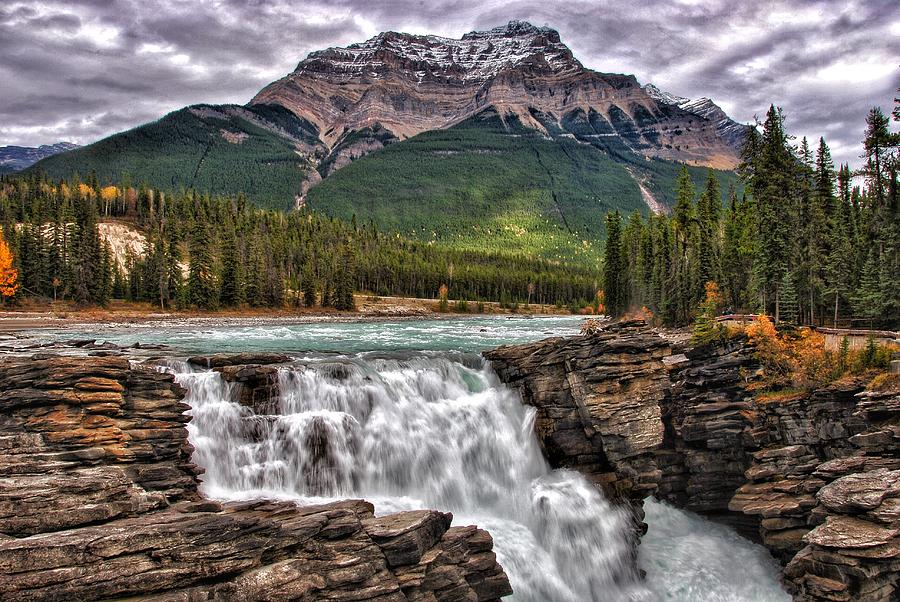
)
(80, 70)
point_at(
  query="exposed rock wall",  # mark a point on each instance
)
(99, 500)
(813, 476)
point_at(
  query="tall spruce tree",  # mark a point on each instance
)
(613, 266)
(203, 279)
(709, 243)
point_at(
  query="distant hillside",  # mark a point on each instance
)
(17, 158)
(229, 149)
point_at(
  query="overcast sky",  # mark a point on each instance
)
(79, 70)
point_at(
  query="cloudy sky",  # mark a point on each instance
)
(80, 70)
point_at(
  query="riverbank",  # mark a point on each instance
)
(32, 316)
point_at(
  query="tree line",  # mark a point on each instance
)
(214, 252)
(804, 243)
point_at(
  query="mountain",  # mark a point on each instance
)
(17, 158)
(501, 138)
(407, 84)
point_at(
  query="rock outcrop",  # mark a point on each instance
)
(99, 500)
(813, 476)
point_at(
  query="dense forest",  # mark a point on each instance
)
(211, 252)
(802, 240)
(805, 243)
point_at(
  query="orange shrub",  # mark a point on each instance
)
(9, 276)
(773, 354)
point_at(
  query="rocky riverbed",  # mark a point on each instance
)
(815, 476)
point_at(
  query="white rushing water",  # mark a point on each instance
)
(419, 431)
(415, 425)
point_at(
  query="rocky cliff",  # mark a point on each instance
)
(99, 500)
(813, 476)
(396, 85)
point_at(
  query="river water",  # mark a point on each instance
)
(407, 415)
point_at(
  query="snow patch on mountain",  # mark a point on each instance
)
(702, 107)
(478, 55)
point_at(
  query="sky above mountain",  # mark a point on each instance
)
(80, 70)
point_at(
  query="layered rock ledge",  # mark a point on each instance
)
(813, 476)
(99, 500)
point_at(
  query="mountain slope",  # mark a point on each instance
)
(261, 151)
(17, 158)
(491, 183)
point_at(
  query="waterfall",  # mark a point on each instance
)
(417, 430)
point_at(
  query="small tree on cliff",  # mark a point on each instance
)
(9, 276)
(706, 329)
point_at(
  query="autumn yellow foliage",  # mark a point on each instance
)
(9, 276)
(109, 193)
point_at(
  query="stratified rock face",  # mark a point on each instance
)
(730, 130)
(815, 477)
(405, 84)
(598, 399)
(98, 500)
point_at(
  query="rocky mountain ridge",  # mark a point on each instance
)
(17, 158)
(408, 84)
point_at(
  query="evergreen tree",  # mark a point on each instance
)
(343, 294)
(789, 306)
(309, 287)
(202, 281)
(613, 266)
(708, 210)
(839, 267)
(772, 187)
(232, 293)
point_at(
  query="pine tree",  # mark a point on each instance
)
(86, 254)
(708, 210)
(789, 305)
(839, 266)
(309, 287)
(772, 187)
(867, 299)
(232, 293)
(613, 266)
(343, 295)
(202, 282)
